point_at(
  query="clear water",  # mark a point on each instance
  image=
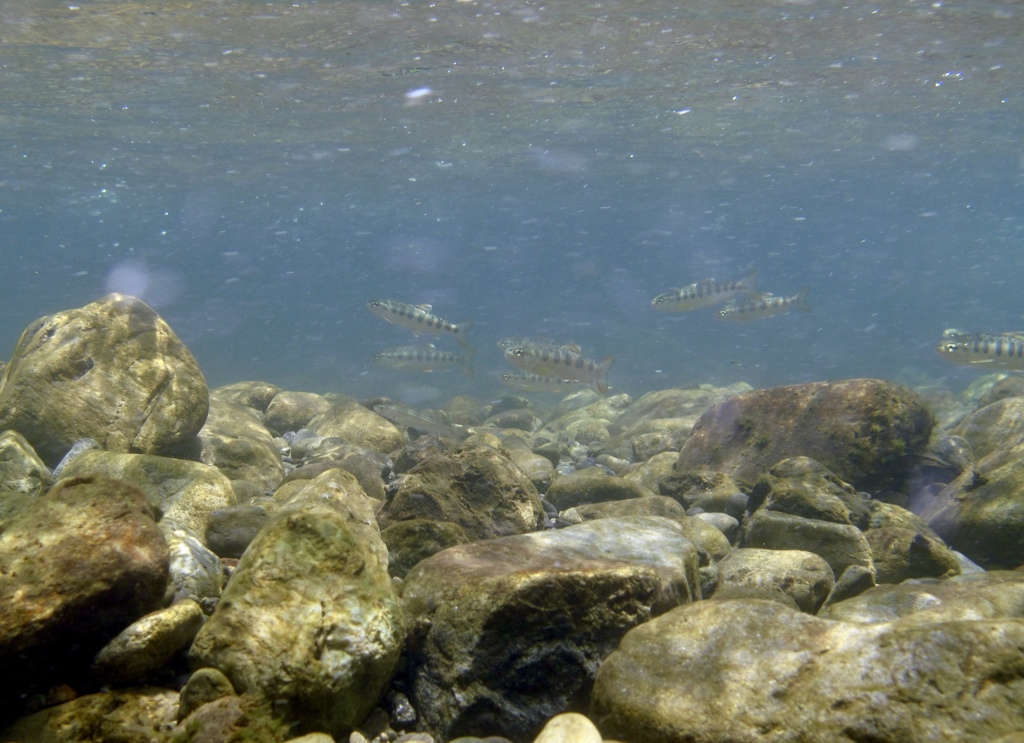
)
(257, 171)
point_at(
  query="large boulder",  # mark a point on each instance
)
(77, 566)
(112, 371)
(864, 430)
(310, 621)
(749, 670)
(507, 632)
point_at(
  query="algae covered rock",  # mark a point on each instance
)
(592, 485)
(804, 577)
(21, 469)
(148, 644)
(508, 632)
(77, 566)
(347, 419)
(994, 595)
(235, 441)
(476, 487)
(112, 371)
(184, 491)
(138, 715)
(310, 621)
(864, 430)
(753, 670)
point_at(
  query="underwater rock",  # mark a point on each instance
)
(369, 467)
(203, 686)
(347, 419)
(592, 485)
(902, 554)
(999, 425)
(77, 566)
(252, 394)
(863, 430)
(841, 545)
(112, 371)
(714, 492)
(998, 594)
(981, 513)
(230, 530)
(676, 404)
(231, 718)
(803, 577)
(291, 411)
(310, 621)
(411, 541)
(535, 466)
(508, 632)
(235, 441)
(181, 490)
(140, 715)
(148, 644)
(803, 487)
(476, 487)
(196, 571)
(21, 469)
(704, 536)
(569, 727)
(749, 669)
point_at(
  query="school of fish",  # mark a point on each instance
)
(544, 365)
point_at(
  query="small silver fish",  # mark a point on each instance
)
(705, 293)
(418, 319)
(764, 305)
(561, 362)
(1002, 351)
(407, 418)
(425, 358)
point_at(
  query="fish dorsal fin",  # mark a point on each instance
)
(424, 307)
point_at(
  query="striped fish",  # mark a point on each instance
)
(1002, 351)
(528, 382)
(425, 358)
(561, 362)
(418, 319)
(705, 294)
(764, 305)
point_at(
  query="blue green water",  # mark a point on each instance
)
(257, 171)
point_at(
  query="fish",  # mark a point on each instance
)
(418, 319)
(561, 362)
(764, 305)
(407, 418)
(425, 358)
(705, 293)
(529, 382)
(996, 351)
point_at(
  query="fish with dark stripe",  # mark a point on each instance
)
(561, 362)
(705, 293)
(997, 351)
(419, 319)
(425, 358)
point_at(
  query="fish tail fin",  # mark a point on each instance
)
(801, 300)
(461, 331)
(466, 365)
(750, 283)
(601, 375)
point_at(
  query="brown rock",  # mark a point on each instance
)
(79, 565)
(864, 430)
